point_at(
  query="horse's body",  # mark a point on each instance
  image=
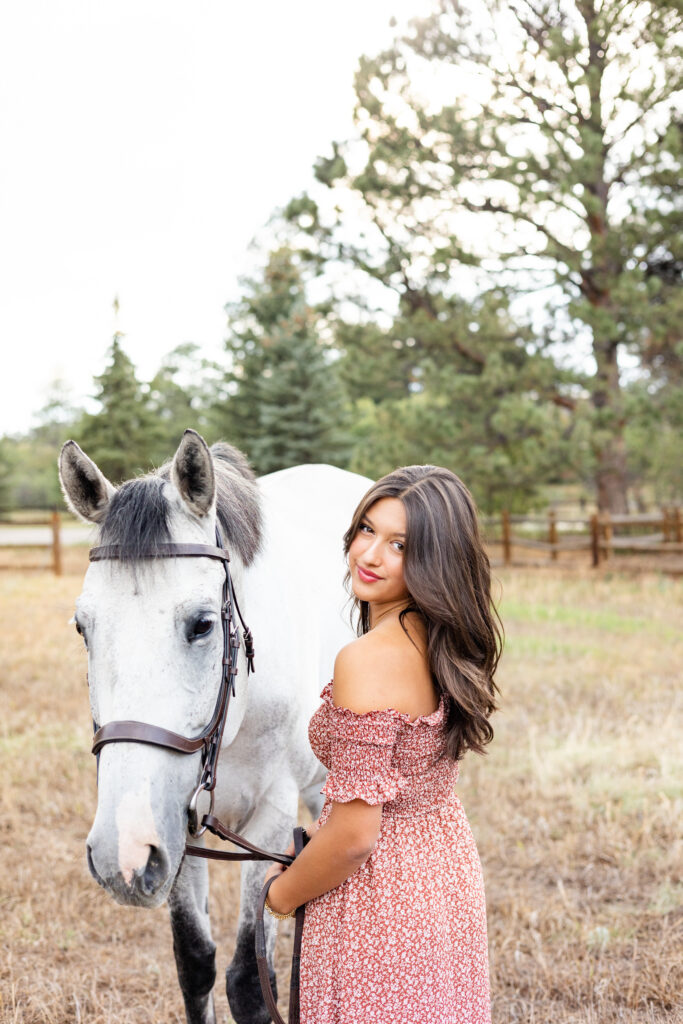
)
(152, 628)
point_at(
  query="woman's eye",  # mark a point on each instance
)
(202, 627)
(364, 528)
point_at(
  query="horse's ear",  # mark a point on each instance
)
(86, 490)
(193, 475)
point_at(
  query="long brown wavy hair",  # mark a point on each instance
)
(448, 576)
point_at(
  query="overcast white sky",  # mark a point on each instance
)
(144, 143)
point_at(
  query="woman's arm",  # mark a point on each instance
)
(348, 837)
(336, 851)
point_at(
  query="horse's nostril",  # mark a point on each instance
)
(156, 870)
(91, 865)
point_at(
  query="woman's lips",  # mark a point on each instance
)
(367, 577)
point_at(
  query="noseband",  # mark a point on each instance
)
(209, 740)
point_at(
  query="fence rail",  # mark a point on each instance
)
(54, 544)
(602, 534)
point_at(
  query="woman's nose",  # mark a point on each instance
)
(372, 553)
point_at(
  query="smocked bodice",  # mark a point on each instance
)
(383, 757)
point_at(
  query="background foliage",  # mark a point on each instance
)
(486, 275)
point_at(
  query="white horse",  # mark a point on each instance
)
(153, 634)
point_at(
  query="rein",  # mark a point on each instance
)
(209, 742)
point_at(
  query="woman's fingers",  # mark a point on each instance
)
(274, 871)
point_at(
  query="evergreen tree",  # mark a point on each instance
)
(181, 395)
(56, 417)
(6, 466)
(124, 435)
(562, 175)
(31, 478)
(478, 403)
(460, 382)
(282, 401)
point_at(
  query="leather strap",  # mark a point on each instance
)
(223, 832)
(300, 840)
(261, 959)
(142, 732)
(105, 551)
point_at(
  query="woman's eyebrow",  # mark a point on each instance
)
(369, 521)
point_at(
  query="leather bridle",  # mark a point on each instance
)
(209, 740)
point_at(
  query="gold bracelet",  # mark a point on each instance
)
(274, 913)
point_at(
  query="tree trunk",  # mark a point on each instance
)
(609, 447)
(611, 478)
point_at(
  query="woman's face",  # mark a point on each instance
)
(376, 554)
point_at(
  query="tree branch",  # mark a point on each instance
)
(664, 94)
(488, 206)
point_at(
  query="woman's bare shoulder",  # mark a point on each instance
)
(376, 672)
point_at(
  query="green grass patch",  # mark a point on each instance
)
(603, 619)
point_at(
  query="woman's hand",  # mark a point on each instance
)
(273, 872)
(310, 830)
(278, 869)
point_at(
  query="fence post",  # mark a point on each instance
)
(666, 524)
(595, 539)
(678, 525)
(507, 544)
(607, 532)
(552, 533)
(56, 545)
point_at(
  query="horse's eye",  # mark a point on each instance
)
(79, 630)
(201, 627)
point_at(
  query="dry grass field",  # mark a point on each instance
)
(576, 810)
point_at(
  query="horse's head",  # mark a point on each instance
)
(152, 628)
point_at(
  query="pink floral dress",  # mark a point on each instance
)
(403, 940)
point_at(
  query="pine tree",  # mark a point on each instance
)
(123, 436)
(561, 176)
(282, 402)
(457, 381)
(6, 466)
(181, 394)
(478, 404)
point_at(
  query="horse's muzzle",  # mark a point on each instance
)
(148, 887)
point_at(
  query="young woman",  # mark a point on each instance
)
(395, 929)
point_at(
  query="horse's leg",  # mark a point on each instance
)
(195, 952)
(270, 828)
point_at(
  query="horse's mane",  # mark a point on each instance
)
(138, 515)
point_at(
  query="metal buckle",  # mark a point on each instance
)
(193, 826)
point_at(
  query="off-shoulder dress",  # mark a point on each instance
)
(403, 940)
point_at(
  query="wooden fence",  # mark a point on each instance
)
(602, 535)
(53, 545)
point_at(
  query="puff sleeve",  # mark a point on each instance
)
(360, 754)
